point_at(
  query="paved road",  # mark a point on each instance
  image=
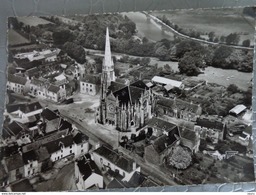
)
(191, 38)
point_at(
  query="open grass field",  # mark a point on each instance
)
(33, 21)
(15, 38)
(220, 21)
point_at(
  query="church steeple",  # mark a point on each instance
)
(108, 74)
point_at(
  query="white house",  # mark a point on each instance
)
(52, 92)
(17, 84)
(31, 166)
(89, 85)
(107, 159)
(81, 146)
(87, 174)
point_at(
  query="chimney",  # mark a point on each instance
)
(133, 166)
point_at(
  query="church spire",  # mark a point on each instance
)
(108, 64)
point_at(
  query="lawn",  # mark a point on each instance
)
(15, 38)
(33, 21)
(220, 21)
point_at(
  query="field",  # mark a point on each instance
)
(32, 21)
(220, 21)
(15, 38)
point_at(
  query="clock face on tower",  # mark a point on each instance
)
(111, 108)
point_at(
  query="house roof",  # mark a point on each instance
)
(166, 81)
(22, 186)
(25, 108)
(12, 129)
(115, 86)
(8, 150)
(168, 87)
(140, 84)
(42, 154)
(3, 173)
(116, 158)
(91, 79)
(49, 115)
(32, 71)
(178, 103)
(162, 125)
(163, 142)
(149, 84)
(55, 145)
(60, 77)
(189, 135)
(64, 124)
(17, 79)
(87, 168)
(14, 162)
(116, 183)
(29, 156)
(53, 88)
(148, 183)
(212, 124)
(80, 138)
(238, 109)
(136, 179)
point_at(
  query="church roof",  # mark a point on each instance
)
(130, 93)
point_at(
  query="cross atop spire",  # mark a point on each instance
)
(108, 61)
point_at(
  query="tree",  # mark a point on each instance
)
(189, 64)
(162, 53)
(179, 158)
(220, 55)
(232, 38)
(62, 36)
(232, 88)
(246, 43)
(75, 51)
(211, 36)
(145, 61)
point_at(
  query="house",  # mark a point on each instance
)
(108, 159)
(44, 162)
(81, 146)
(89, 85)
(61, 78)
(17, 84)
(15, 132)
(22, 186)
(156, 152)
(213, 129)
(165, 81)
(87, 174)
(238, 109)
(50, 120)
(61, 148)
(160, 127)
(24, 112)
(246, 134)
(52, 92)
(30, 160)
(190, 139)
(36, 85)
(14, 167)
(178, 108)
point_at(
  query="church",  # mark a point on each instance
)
(126, 107)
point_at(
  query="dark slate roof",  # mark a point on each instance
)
(148, 183)
(213, 124)
(127, 94)
(64, 124)
(55, 145)
(136, 179)
(162, 125)
(13, 128)
(120, 161)
(87, 167)
(14, 162)
(8, 150)
(116, 183)
(49, 115)
(115, 86)
(25, 108)
(91, 79)
(42, 154)
(163, 142)
(3, 173)
(32, 71)
(80, 138)
(189, 134)
(53, 88)
(178, 103)
(22, 186)
(29, 156)
(139, 84)
(17, 79)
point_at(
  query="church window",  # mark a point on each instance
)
(83, 84)
(90, 90)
